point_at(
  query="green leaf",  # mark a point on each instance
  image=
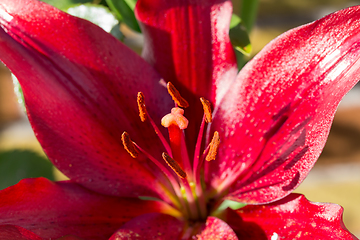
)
(124, 11)
(231, 204)
(96, 14)
(65, 4)
(19, 164)
(235, 20)
(149, 198)
(240, 39)
(131, 4)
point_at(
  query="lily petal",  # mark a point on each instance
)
(150, 226)
(80, 86)
(187, 42)
(294, 217)
(10, 232)
(55, 209)
(69, 237)
(217, 229)
(274, 121)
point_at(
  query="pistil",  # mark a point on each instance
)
(175, 122)
(183, 175)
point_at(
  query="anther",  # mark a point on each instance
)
(142, 106)
(178, 99)
(129, 145)
(207, 109)
(214, 146)
(174, 165)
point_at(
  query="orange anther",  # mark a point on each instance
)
(129, 145)
(207, 109)
(214, 146)
(174, 165)
(142, 106)
(178, 99)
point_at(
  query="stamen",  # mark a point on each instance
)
(176, 117)
(129, 145)
(178, 99)
(214, 146)
(142, 106)
(207, 109)
(144, 115)
(174, 165)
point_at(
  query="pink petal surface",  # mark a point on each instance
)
(53, 210)
(294, 217)
(80, 86)
(274, 121)
(10, 232)
(216, 229)
(152, 226)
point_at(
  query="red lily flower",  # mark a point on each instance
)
(272, 120)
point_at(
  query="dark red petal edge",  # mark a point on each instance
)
(55, 209)
(11, 232)
(151, 226)
(216, 228)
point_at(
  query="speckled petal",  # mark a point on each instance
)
(152, 226)
(56, 209)
(216, 229)
(80, 86)
(294, 217)
(274, 121)
(11, 232)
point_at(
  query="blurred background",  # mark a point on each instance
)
(335, 177)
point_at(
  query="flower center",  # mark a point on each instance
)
(183, 173)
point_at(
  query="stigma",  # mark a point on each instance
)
(176, 117)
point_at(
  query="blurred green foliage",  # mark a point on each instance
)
(18, 164)
(65, 4)
(124, 11)
(239, 36)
